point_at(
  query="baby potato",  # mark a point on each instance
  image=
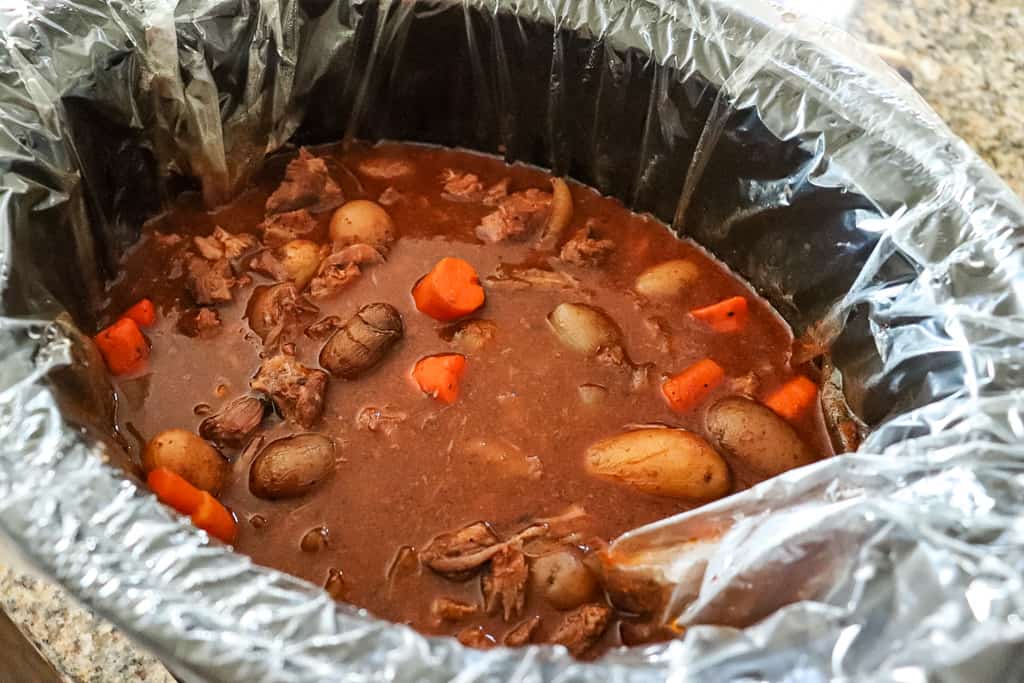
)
(666, 280)
(362, 222)
(562, 579)
(188, 456)
(754, 434)
(300, 260)
(584, 328)
(665, 462)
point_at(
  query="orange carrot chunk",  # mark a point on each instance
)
(725, 316)
(449, 291)
(123, 347)
(143, 313)
(215, 519)
(439, 376)
(793, 398)
(174, 490)
(686, 390)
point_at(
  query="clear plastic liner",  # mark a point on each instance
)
(785, 148)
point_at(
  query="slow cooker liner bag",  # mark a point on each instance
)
(788, 151)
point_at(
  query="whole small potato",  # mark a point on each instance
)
(666, 280)
(362, 222)
(300, 260)
(562, 579)
(188, 456)
(757, 436)
(584, 328)
(665, 462)
(292, 466)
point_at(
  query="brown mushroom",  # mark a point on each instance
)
(363, 341)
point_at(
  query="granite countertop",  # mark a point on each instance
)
(965, 58)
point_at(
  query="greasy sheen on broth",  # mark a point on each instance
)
(422, 475)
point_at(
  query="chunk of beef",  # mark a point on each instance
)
(297, 391)
(447, 609)
(272, 311)
(209, 282)
(643, 632)
(475, 636)
(306, 185)
(461, 187)
(746, 385)
(383, 420)
(385, 168)
(209, 248)
(458, 554)
(235, 423)
(517, 217)
(467, 187)
(323, 328)
(524, 278)
(284, 227)
(582, 627)
(339, 269)
(522, 633)
(223, 244)
(389, 197)
(470, 335)
(234, 244)
(585, 249)
(504, 582)
(199, 322)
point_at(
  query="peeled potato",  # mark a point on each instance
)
(188, 456)
(757, 436)
(665, 462)
(666, 280)
(300, 259)
(362, 222)
(584, 328)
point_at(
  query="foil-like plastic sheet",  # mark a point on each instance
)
(778, 143)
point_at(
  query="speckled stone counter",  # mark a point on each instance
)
(964, 56)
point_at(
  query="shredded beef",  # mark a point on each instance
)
(582, 628)
(297, 391)
(504, 583)
(209, 282)
(339, 269)
(284, 227)
(384, 420)
(383, 168)
(323, 328)
(273, 310)
(199, 322)
(584, 249)
(522, 633)
(447, 609)
(307, 184)
(518, 216)
(389, 197)
(235, 423)
(475, 636)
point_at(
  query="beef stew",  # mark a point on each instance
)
(439, 385)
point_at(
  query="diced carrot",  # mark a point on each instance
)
(686, 390)
(793, 398)
(449, 291)
(725, 316)
(439, 376)
(143, 313)
(215, 519)
(123, 346)
(174, 490)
